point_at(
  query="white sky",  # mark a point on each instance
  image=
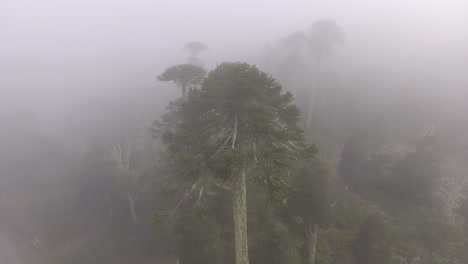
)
(58, 49)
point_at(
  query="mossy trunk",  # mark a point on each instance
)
(239, 203)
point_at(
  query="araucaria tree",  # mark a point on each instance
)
(184, 76)
(193, 48)
(323, 35)
(238, 126)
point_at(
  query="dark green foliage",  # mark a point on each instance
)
(353, 155)
(270, 238)
(309, 199)
(371, 246)
(205, 235)
(200, 231)
(347, 216)
(414, 177)
(434, 233)
(360, 163)
(238, 119)
(276, 245)
(348, 212)
(308, 207)
(184, 76)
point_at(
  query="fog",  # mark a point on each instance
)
(65, 51)
(74, 74)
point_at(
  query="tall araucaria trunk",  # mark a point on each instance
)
(312, 247)
(240, 218)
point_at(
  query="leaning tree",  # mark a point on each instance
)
(238, 126)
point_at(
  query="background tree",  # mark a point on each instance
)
(134, 162)
(308, 206)
(371, 245)
(323, 34)
(193, 48)
(238, 124)
(184, 76)
(415, 176)
(291, 72)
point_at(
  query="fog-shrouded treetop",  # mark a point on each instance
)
(193, 48)
(295, 40)
(184, 76)
(323, 35)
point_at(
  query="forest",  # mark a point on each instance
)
(313, 148)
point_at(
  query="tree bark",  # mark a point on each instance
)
(313, 236)
(239, 203)
(131, 203)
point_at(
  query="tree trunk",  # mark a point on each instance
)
(184, 91)
(240, 218)
(131, 203)
(313, 235)
(314, 90)
(308, 121)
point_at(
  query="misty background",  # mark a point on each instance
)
(79, 73)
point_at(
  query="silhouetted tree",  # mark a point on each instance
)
(414, 177)
(184, 76)
(323, 34)
(195, 47)
(309, 202)
(291, 71)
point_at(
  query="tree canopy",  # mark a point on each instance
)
(323, 35)
(238, 124)
(195, 47)
(184, 76)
